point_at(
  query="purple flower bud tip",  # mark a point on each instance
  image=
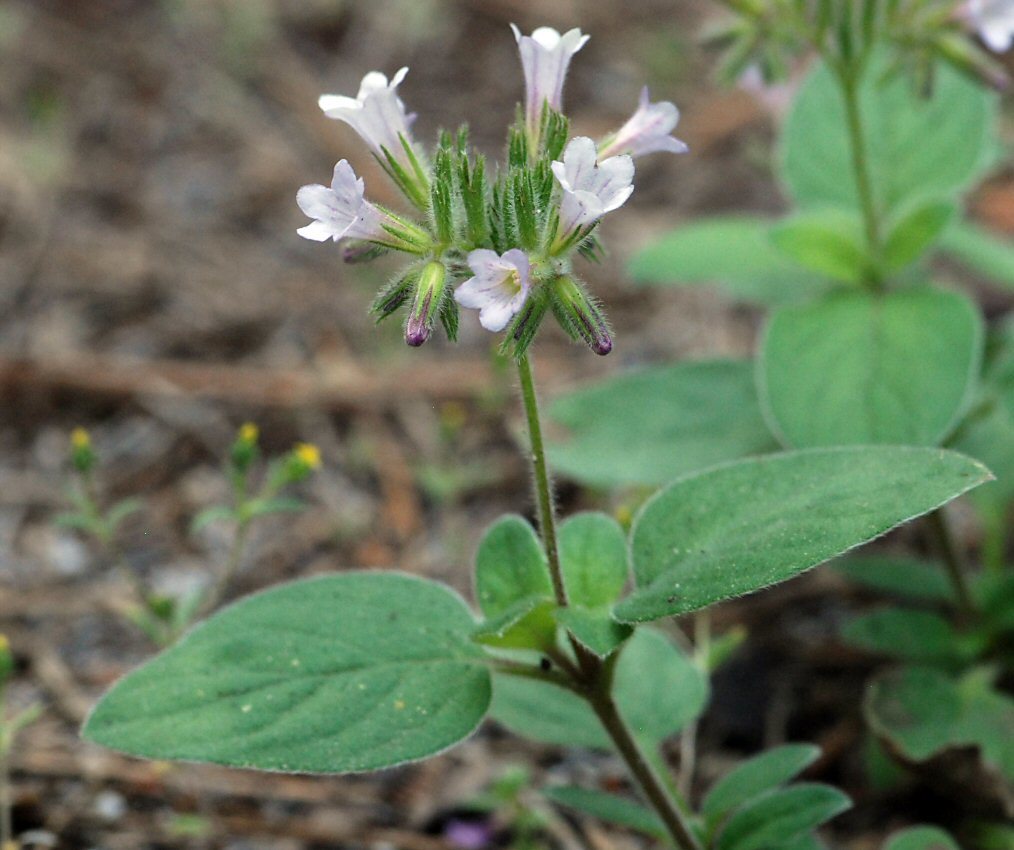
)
(602, 345)
(416, 333)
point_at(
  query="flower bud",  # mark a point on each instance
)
(300, 462)
(244, 449)
(82, 455)
(579, 316)
(6, 660)
(426, 305)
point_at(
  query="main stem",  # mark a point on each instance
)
(595, 675)
(849, 77)
(543, 485)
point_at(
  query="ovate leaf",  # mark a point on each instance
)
(733, 251)
(781, 816)
(923, 713)
(749, 524)
(350, 672)
(647, 427)
(859, 368)
(510, 566)
(593, 557)
(918, 147)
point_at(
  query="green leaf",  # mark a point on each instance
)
(210, 515)
(527, 624)
(593, 557)
(921, 838)
(121, 510)
(750, 524)
(657, 688)
(986, 253)
(922, 712)
(276, 505)
(350, 672)
(77, 521)
(733, 251)
(756, 776)
(917, 148)
(647, 427)
(510, 566)
(915, 232)
(607, 807)
(899, 576)
(594, 628)
(860, 368)
(781, 816)
(918, 636)
(829, 242)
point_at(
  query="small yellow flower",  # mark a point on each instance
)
(308, 454)
(248, 432)
(80, 439)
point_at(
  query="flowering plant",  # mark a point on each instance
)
(364, 670)
(498, 243)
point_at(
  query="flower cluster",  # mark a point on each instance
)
(500, 242)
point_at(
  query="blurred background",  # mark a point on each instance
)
(154, 291)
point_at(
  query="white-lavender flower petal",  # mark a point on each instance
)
(340, 211)
(377, 114)
(590, 188)
(545, 57)
(994, 20)
(499, 287)
(646, 131)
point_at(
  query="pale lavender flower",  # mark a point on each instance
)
(994, 19)
(590, 188)
(376, 113)
(545, 57)
(646, 131)
(340, 211)
(499, 287)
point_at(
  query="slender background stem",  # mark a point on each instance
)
(953, 559)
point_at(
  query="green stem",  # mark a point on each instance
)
(543, 485)
(594, 679)
(640, 767)
(954, 561)
(225, 577)
(849, 77)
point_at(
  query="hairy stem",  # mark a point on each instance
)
(593, 677)
(543, 485)
(651, 784)
(954, 561)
